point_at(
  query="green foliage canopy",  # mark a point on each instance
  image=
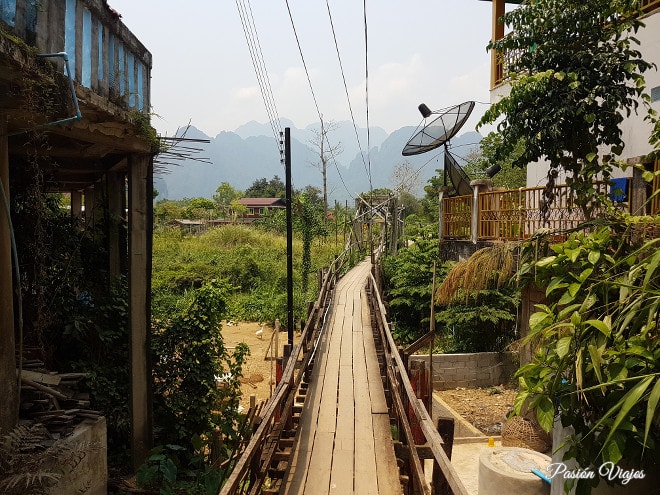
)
(597, 347)
(576, 75)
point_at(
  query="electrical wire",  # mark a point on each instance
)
(316, 104)
(366, 90)
(348, 98)
(256, 54)
(302, 57)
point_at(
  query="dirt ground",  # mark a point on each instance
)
(258, 374)
(485, 408)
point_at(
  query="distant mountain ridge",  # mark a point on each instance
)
(250, 153)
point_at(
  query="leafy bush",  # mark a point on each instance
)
(597, 346)
(478, 321)
(485, 322)
(409, 278)
(189, 353)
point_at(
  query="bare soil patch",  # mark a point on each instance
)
(259, 371)
(484, 408)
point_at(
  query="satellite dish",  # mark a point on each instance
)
(459, 179)
(440, 130)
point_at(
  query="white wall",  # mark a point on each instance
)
(636, 131)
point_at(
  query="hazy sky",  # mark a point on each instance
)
(431, 51)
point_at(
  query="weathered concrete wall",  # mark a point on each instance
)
(85, 467)
(482, 369)
(459, 250)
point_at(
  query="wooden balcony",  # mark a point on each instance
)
(516, 214)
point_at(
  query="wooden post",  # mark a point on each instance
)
(446, 431)
(478, 185)
(8, 382)
(140, 229)
(419, 383)
(216, 447)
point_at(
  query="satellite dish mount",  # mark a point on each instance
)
(438, 133)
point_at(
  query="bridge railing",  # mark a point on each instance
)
(410, 411)
(254, 470)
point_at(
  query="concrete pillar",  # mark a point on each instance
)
(76, 204)
(478, 185)
(90, 200)
(8, 382)
(140, 226)
(115, 220)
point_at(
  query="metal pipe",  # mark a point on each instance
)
(78, 115)
(74, 97)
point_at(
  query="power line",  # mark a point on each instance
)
(309, 80)
(311, 88)
(348, 98)
(252, 39)
(366, 90)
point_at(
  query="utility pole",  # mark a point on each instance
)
(289, 235)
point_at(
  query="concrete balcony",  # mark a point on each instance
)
(109, 72)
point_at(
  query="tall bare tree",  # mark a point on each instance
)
(326, 152)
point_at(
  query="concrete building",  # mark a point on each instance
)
(635, 130)
(72, 74)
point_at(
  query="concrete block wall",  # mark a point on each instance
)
(481, 369)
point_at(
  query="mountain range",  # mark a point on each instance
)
(250, 153)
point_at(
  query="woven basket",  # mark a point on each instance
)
(525, 432)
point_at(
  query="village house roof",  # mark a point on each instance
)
(263, 202)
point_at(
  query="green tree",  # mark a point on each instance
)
(509, 177)
(309, 221)
(224, 195)
(576, 76)
(166, 210)
(263, 188)
(200, 208)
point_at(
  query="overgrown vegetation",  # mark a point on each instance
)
(482, 318)
(597, 346)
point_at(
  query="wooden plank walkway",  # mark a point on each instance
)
(344, 444)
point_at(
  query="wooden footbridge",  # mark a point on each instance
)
(345, 417)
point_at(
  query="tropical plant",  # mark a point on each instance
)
(597, 346)
(189, 354)
(576, 75)
(479, 304)
(31, 464)
(163, 470)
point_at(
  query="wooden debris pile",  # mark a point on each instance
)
(53, 399)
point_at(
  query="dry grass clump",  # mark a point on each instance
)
(489, 267)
